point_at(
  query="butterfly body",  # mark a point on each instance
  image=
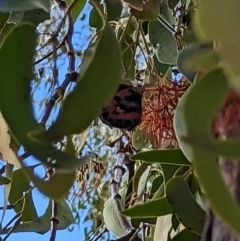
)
(125, 110)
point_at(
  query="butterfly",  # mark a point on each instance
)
(125, 110)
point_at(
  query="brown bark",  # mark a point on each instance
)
(226, 125)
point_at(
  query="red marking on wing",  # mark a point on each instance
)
(124, 93)
(126, 116)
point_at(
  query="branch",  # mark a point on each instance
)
(116, 198)
(72, 75)
(54, 221)
(166, 25)
(226, 126)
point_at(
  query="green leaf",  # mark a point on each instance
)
(35, 17)
(110, 216)
(169, 171)
(175, 222)
(136, 4)
(163, 42)
(128, 60)
(181, 171)
(136, 222)
(153, 208)
(3, 20)
(5, 31)
(77, 8)
(129, 26)
(184, 55)
(4, 180)
(149, 12)
(140, 140)
(17, 53)
(205, 60)
(215, 189)
(56, 187)
(114, 9)
(191, 179)
(166, 156)
(166, 12)
(172, 3)
(140, 178)
(70, 147)
(206, 28)
(157, 182)
(20, 185)
(187, 116)
(190, 214)
(160, 67)
(42, 224)
(97, 85)
(24, 5)
(95, 19)
(185, 235)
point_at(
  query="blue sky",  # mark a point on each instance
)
(80, 42)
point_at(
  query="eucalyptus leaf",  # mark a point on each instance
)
(186, 235)
(163, 42)
(56, 187)
(17, 53)
(187, 116)
(4, 180)
(150, 11)
(215, 189)
(206, 28)
(166, 12)
(165, 156)
(140, 178)
(20, 186)
(172, 3)
(77, 8)
(35, 17)
(42, 224)
(114, 9)
(24, 5)
(153, 208)
(184, 55)
(3, 19)
(95, 19)
(160, 67)
(98, 84)
(190, 214)
(110, 216)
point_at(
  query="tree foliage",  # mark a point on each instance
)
(181, 160)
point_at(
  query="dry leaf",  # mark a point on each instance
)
(83, 138)
(7, 153)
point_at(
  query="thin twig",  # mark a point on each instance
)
(54, 221)
(72, 75)
(116, 198)
(167, 25)
(18, 218)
